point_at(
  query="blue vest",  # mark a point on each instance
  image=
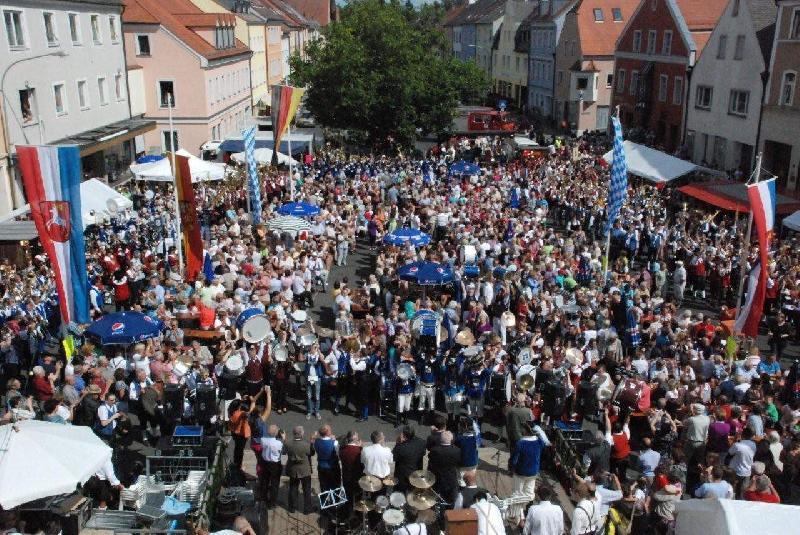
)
(107, 430)
(326, 453)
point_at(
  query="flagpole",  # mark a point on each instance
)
(746, 248)
(172, 149)
(607, 260)
(291, 176)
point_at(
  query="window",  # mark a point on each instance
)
(787, 88)
(102, 89)
(517, 64)
(83, 97)
(50, 29)
(617, 14)
(634, 82)
(735, 8)
(651, 41)
(620, 80)
(170, 141)
(666, 44)
(738, 52)
(582, 83)
(27, 105)
(703, 96)
(166, 92)
(560, 77)
(794, 30)
(95, 24)
(723, 42)
(598, 14)
(738, 102)
(14, 29)
(60, 98)
(74, 29)
(112, 29)
(142, 45)
(609, 79)
(118, 90)
(663, 80)
(637, 41)
(677, 91)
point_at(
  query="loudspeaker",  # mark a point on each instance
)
(173, 402)
(205, 403)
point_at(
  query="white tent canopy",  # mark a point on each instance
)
(734, 517)
(263, 156)
(40, 459)
(653, 164)
(161, 171)
(96, 197)
(793, 221)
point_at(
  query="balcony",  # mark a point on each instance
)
(583, 86)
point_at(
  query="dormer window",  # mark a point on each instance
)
(223, 37)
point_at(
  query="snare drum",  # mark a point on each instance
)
(253, 325)
(398, 500)
(381, 504)
(234, 366)
(393, 519)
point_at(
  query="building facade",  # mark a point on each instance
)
(545, 23)
(654, 57)
(780, 123)
(63, 78)
(192, 66)
(510, 53)
(585, 62)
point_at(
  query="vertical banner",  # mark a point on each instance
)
(618, 184)
(190, 227)
(52, 179)
(285, 101)
(253, 185)
(763, 198)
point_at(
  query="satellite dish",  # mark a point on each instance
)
(149, 194)
(113, 206)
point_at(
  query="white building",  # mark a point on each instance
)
(727, 88)
(63, 77)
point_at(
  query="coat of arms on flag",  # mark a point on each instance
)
(56, 219)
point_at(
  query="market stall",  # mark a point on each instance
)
(161, 170)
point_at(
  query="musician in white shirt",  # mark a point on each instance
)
(377, 458)
(490, 520)
(544, 518)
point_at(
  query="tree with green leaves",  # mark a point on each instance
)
(386, 73)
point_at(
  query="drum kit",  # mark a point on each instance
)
(391, 508)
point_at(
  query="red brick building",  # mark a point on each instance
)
(654, 57)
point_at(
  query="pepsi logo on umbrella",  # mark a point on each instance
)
(117, 327)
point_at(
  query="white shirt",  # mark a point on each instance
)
(490, 521)
(544, 518)
(106, 472)
(585, 517)
(412, 529)
(376, 459)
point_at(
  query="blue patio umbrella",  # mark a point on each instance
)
(124, 328)
(148, 158)
(402, 236)
(463, 167)
(426, 273)
(298, 209)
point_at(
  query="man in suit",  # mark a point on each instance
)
(443, 461)
(517, 418)
(298, 468)
(408, 455)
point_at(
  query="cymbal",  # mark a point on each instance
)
(324, 332)
(364, 506)
(465, 338)
(421, 499)
(390, 481)
(422, 479)
(370, 483)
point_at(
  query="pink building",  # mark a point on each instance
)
(174, 49)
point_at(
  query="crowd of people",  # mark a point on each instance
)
(530, 328)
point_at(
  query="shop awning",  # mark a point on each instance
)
(107, 136)
(654, 165)
(730, 195)
(16, 231)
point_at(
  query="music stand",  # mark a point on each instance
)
(332, 498)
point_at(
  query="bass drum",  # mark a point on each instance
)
(253, 325)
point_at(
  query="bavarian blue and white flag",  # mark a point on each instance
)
(249, 137)
(618, 185)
